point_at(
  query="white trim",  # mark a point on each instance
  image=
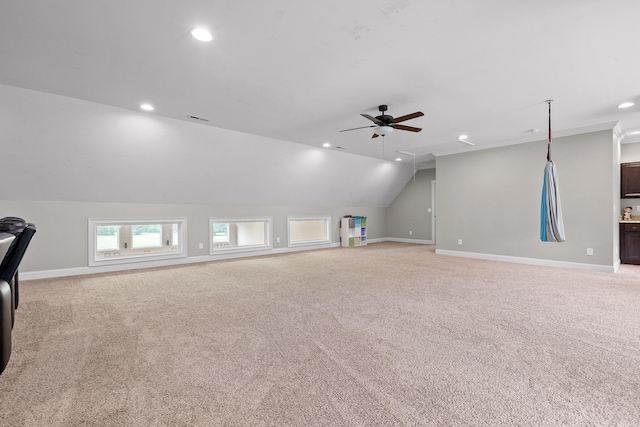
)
(557, 134)
(531, 261)
(78, 271)
(617, 131)
(398, 239)
(616, 265)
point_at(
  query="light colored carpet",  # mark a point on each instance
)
(383, 335)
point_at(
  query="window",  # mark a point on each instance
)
(305, 231)
(235, 235)
(107, 237)
(146, 236)
(121, 241)
(175, 234)
(221, 232)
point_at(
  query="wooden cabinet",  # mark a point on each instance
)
(630, 243)
(353, 231)
(630, 180)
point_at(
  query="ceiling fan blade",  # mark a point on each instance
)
(407, 117)
(361, 127)
(409, 128)
(373, 119)
(375, 135)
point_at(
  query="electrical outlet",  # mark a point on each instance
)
(201, 246)
(589, 251)
(638, 208)
(428, 210)
(410, 232)
(459, 241)
(277, 240)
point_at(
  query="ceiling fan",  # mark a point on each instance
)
(385, 124)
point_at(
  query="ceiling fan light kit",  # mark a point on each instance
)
(383, 130)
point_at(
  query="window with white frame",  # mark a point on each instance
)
(118, 241)
(236, 235)
(306, 231)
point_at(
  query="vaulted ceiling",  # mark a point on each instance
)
(301, 71)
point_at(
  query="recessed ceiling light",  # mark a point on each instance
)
(147, 107)
(626, 104)
(463, 139)
(201, 34)
(326, 145)
(398, 159)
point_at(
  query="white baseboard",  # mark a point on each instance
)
(78, 271)
(397, 239)
(532, 261)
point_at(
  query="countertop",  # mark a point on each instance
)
(633, 220)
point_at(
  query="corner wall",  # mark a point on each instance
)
(410, 210)
(490, 199)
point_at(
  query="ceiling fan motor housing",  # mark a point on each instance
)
(385, 118)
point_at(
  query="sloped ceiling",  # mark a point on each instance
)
(301, 71)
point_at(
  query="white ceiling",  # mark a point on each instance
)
(301, 71)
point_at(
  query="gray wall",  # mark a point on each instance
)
(57, 148)
(409, 211)
(491, 199)
(61, 241)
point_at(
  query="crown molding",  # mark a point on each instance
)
(557, 134)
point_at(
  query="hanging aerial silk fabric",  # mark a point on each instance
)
(551, 225)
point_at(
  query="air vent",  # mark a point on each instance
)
(340, 148)
(202, 119)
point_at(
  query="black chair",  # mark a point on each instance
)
(6, 305)
(11, 261)
(20, 233)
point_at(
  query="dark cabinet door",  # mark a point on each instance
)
(630, 243)
(630, 180)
